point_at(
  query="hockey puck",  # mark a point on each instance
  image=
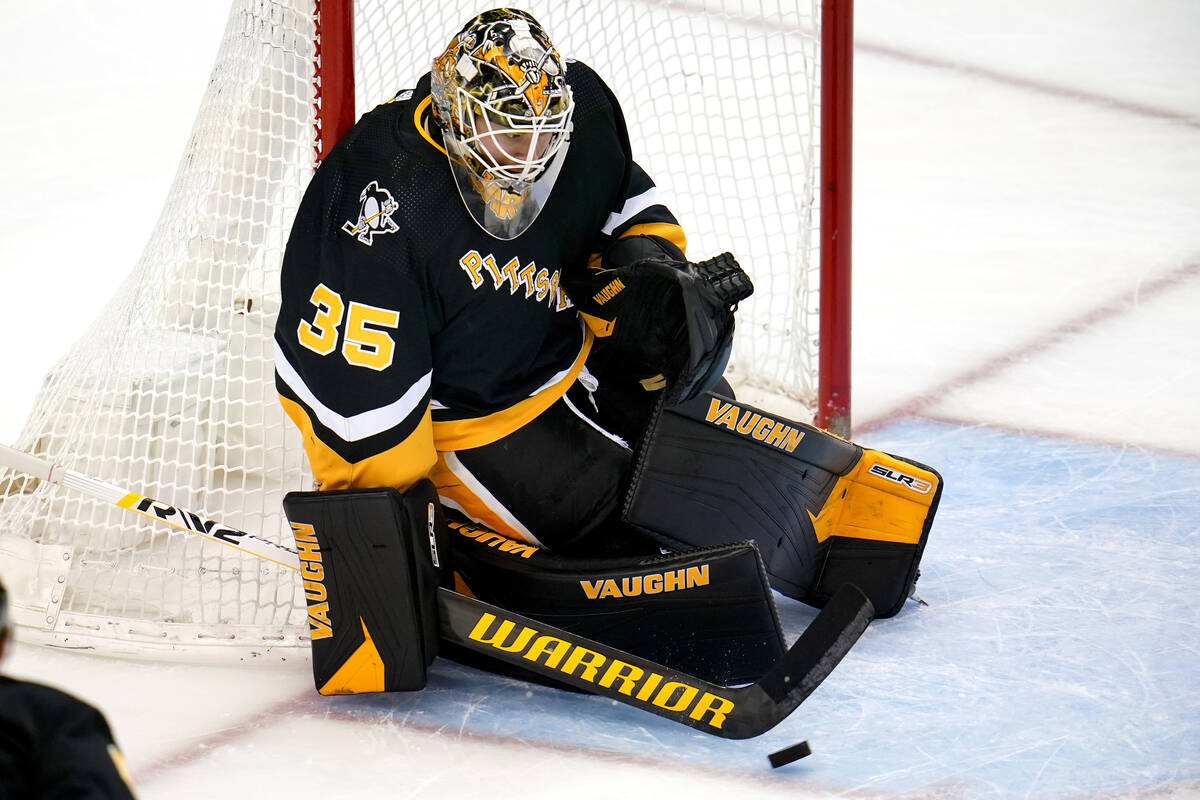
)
(789, 754)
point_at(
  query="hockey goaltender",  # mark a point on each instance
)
(508, 377)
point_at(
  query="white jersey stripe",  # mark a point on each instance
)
(633, 206)
(361, 425)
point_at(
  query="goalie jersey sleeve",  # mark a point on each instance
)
(353, 359)
(406, 330)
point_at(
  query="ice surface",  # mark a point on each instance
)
(1027, 186)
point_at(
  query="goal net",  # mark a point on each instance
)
(170, 392)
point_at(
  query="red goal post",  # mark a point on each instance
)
(740, 109)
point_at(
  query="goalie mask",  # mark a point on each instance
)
(501, 98)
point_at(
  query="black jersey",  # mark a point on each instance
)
(405, 329)
(53, 745)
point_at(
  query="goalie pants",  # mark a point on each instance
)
(556, 482)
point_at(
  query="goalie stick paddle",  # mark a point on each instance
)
(739, 712)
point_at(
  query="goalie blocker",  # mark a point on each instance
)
(371, 563)
(823, 511)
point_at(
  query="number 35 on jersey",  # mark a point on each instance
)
(365, 338)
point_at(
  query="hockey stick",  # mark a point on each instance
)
(738, 712)
(730, 712)
(177, 518)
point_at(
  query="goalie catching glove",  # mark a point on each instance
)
(670, 319)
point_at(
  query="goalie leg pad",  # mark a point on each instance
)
(370, 566)
(822, 510)
(707, 613)
(874, 526)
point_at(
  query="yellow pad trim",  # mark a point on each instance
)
(601, 328)
(654, 382)
(882, 499)
(362, 672)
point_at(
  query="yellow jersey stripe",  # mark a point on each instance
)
(401, 466)
(664, 230)
(464, 434)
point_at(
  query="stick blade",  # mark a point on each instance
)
(729, 712)
(819, 649)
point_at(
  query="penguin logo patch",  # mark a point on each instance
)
(375, 210)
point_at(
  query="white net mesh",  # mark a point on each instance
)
(170, 392)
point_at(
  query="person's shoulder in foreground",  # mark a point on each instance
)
(53, 745)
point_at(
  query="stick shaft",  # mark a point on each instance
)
(178, 518)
